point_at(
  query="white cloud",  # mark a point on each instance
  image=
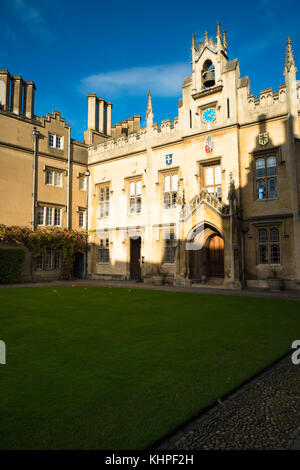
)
(162, 80)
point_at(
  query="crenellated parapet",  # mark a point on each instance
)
(267, 98)
(135, 138)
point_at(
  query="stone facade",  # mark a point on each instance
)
(212, 195)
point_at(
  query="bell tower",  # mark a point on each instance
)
(207, 60)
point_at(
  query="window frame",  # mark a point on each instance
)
(170, 247)
(268, 244)
(212, 164)
(53, 172)
(134, 200)
(266, 178)
(171, 194)
(55, 139)
(104, 204)
(104, 251)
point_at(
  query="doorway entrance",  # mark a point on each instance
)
(135, 258)
(79, 265)
(216, 256)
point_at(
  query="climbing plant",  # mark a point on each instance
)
(66, 242)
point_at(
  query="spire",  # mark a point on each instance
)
(219, 35)
(193, 42)
(205, 37)
(289, 57)
(149, 111)
(224, 39)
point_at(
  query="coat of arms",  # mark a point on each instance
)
(263, 138)
(208, 145)
(169, 158)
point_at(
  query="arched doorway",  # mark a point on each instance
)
(216, 256)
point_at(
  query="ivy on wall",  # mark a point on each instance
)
(66, 242)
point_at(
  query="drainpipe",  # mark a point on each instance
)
(69, 179)
(35, 134)
(87, 175)
(244, 230)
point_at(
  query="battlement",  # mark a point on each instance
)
(166, 127)
(267, 98)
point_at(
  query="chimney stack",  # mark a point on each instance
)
(100, 113)
(108, 107)
(29, 91)
(16, 94)
(92, 100)
(4, 89)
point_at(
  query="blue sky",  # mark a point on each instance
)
(120, 50)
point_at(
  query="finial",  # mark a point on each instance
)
(193, 42)
(219, 35)
(205, 37)
(224, 39)
(149, 111)
(289, 57)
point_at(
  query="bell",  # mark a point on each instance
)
(209, 78)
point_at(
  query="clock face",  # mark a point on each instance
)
(209, 115)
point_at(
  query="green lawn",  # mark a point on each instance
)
(111, 368)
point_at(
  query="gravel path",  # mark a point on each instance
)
(263, 414)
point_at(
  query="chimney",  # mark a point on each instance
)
(92, 100)
(108, 108)
(124, 127)
(118, 129)
(137, 122)
(16, 94)
(29, 90)
(100, 113)
(4, 89)
(130, 125)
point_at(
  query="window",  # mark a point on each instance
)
(135, 197)
(57, 216)
(170, 190)
(54, 177)
(103, 251)
(40, 215)
(81, 216)
(49, 215)
(266, 179)
(57, 260)
(55, 141)
(104, 201)
(213, 180)
(39, 262)
(82, 183)
(169, 248)
(268, 246)
(48, 261)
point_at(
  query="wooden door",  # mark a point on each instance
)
(216, 256)
(135, 258)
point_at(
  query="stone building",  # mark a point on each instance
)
(42, 170)
(210, 197)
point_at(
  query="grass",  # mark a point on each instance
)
(111, 368)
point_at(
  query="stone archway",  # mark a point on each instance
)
(206, 253)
